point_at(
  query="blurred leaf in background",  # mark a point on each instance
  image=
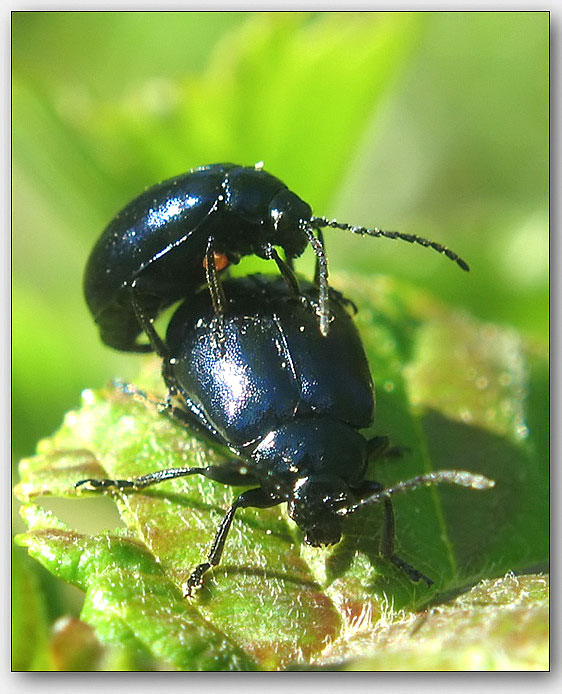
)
(430, 123)
(460, 153)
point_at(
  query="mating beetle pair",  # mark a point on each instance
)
(244, 360)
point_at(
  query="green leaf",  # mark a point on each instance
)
(129, 599)
(465, 395)
(29, 619)
(500, 624)
(457, 393)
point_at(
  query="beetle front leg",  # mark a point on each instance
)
(317, 268)
(387, 547)
(285, 268)
(255, 498)
(321, 274)
(388, 532)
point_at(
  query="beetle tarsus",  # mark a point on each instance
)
(94, 485)
(195, 581)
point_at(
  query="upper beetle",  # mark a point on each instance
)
(288, 403)
(182, 232)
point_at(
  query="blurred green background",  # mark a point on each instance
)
(431, 123)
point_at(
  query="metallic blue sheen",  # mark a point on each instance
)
(271, 364)
(288, 401)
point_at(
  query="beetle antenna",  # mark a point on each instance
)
(459, 477)
(322, 275)
(410, 238)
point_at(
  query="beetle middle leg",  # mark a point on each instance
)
(380, 447)
(255, 498)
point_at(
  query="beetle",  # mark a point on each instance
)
(181, 233)
(288, 402)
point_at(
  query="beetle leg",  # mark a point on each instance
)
(285, 269)
(387, 547)
(140, 482)
(379, 447)
(147, 324)
(323, 287)
(256, 498)
(226, 474)
(215, 287)
(194, 420)
(367, 489)
(340, 298)
(189, 415)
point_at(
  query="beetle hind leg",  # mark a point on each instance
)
(146, 324)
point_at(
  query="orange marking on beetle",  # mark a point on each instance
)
(221, 261)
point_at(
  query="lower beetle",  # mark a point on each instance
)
(288, 403)
(179, 234)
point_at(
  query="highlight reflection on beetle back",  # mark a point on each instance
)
(271, 364)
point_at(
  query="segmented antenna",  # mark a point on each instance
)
(459, 477)
(410, 238)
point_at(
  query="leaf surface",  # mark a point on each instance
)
(456, 393)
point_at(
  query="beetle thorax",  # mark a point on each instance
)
(312, 463)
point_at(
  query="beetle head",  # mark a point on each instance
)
(287, 213)
(313, 506)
